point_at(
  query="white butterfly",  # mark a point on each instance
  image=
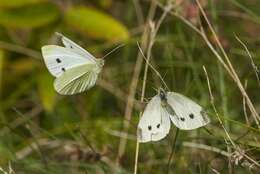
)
(75, 69)
(165, 108)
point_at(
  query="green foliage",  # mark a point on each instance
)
(96, 24)
(1, 67)
(6, 155)
(46, 91)
(42, 132)
(27, 17)
(17, 3)
(105, 3)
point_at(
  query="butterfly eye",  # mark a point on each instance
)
(191, 116)
(149, 127)
(182, 119)
(158, 126)
(58, 60)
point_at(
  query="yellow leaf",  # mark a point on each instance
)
(96, 24)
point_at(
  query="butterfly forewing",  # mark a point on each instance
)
(59, 59)
(76, 80)
(76, 48)
(189, 115)
(154, 123)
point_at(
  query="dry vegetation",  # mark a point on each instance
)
(206, 50)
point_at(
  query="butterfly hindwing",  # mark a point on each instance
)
(76, 80)
(155, 122)
(59, 59)
(189, 115)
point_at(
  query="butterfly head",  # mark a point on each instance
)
(100, 62)
(162, 94)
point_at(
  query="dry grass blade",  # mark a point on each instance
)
(10, 170)
(20, 49)
(153, 31)
(229, 67)
(256, 70)
(238, 150)
(206, 147)
(117, 92)
(215, 109)
(133, 86)
(156, 72)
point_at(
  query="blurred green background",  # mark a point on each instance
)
(43, 132)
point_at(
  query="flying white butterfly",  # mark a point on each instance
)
(75, 69)
(167, 107)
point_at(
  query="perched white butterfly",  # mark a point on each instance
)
(165, 107)
(75, 69)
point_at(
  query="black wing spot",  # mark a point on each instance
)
(71, 47)
(149, 127)
(191, 116)
(58, 60)
(63, 69)
(182, 119)
(158, 126)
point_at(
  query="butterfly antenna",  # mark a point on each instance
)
(113, 50)
(156, 72)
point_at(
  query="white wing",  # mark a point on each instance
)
(59, 59)
(189, 115)
(77, 80)
(155, 122)
(76, 48)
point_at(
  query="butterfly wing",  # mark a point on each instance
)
(59, 59)
(189, 115)
(155, 122)
(76, 48)
(77, 79)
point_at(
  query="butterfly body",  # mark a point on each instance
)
(165, 104)
(167, 107)
(75, 69)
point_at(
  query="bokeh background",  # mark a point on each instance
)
(43, 132)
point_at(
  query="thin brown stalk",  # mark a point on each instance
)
(256, 70)
(151, 66)
(20, 49)
(237, 148)
(215, 109)
(244, 106)
(153, 31)
(117, 92)
(206, 147)
(21, 120)
(130, 102)
(139, 12)
(133, 86)
(227, 65)
(231, 68)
